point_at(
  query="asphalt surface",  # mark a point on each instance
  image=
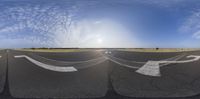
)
(108, 80)
(177, 80)
(3, 63)
(29, 81)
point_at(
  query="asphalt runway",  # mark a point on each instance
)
(27, 80)
(3, 63)
(177, 80)
(108, 74)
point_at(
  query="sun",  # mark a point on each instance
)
(99, 40)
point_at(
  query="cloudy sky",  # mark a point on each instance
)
(100, 23)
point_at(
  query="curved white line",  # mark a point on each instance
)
(109, 54)
(48, 67)
(133, 67)
(174, 59)
(195, 58)
(68, 62)
(152, 68)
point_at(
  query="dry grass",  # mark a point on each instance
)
(159, 50)
(120, 49)
(55, 50)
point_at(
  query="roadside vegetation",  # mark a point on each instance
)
(54, 49)
(160, 49)
(121, 49)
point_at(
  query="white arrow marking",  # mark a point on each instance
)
(49, 67)
(152, 68)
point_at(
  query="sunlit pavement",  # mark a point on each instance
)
(106, 74)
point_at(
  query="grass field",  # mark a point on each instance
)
(120, 49)
(56, 50)
(160, 49)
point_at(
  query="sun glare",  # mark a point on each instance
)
(99, 40)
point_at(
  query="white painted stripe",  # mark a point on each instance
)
(69, 62)
(195, 58)
(0, 56)
(48, 67)
(152, 68)
(115, 58)
(122, 64)
(174, 59)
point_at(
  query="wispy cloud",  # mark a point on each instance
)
(163, 3)
(38, 23)
(197, 35)
(52, 25)
(192, 25)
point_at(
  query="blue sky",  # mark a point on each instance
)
(100, 23)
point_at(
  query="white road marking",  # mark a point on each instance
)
(152, 68)
(0, 56)
(172, 59)
(195, 58)
(108, 52)
(117, 61)
(48, 67)
(68, 62)
(133, 67)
